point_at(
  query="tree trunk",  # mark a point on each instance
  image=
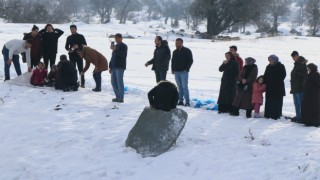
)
(166, 20)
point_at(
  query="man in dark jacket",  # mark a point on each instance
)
(181, 63)
(160, 60)
(36, 49)
(66, 75)
(76, 40)
(298, 76)
(117, 66)
(50, 38)
(164, 96)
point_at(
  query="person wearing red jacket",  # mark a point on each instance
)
(257, 96)
(39, 75)
(234, 50)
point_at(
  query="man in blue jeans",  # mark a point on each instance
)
(182, 61)
(298, 76)
(11, 51)
(117, 67)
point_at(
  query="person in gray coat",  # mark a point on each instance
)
(11, 51)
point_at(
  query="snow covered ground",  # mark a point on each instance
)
(85, 138)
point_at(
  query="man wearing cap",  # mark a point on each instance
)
(11, 51)
(73, 41)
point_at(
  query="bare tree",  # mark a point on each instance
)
(222, 14)
(301, 4)
(104, 9)
(124, 7)
(278, 9)
(313, 13)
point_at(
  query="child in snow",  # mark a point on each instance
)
(39, 75)
(257, 96)
(51, 79)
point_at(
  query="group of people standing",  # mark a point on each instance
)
(44, 44)
(241, 88)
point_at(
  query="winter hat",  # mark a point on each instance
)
(312, 67)
(294, 53)
(35, 28)
(250, 60)
(273, 58)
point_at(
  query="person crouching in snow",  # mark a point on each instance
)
(101, 64)
(39, 75)
(164, 96)
(257, 96)
(51, 78)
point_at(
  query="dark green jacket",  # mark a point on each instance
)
(298, 76)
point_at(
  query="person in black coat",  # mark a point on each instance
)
(274, 76)
(230, 69)
(73, 41)
(67, 75)
(298, 76)
(36, 49)
(50, 38)
(164, 96)
(181, 63)
(161, 59)
(310, 112)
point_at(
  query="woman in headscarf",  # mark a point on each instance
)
(274, 79)
(310, 112)
(230, 69)
(244, 88)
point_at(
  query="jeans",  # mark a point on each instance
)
(117, 82)
(297, 99)
(97, 79)
(15, 60)
(161, 76)
(182, 82)
(77, 61)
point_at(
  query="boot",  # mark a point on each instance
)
(248, 113)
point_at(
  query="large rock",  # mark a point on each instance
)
(156, 131)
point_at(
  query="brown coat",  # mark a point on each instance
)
(243, 99)
(92, 56)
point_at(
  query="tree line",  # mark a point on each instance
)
(218, 15)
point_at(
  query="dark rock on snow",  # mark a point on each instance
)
(156, 131)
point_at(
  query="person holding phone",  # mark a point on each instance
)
(117, 66)
(73, 41)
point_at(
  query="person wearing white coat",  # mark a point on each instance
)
(11, 51)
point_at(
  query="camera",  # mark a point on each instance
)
(112, 43)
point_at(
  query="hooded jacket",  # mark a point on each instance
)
(161, 57)
(298, 75)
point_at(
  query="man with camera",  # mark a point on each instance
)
(73, 41)
(117, 66)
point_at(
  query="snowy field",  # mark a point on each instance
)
(48, 134)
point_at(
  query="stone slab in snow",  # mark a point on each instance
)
(156, 131)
